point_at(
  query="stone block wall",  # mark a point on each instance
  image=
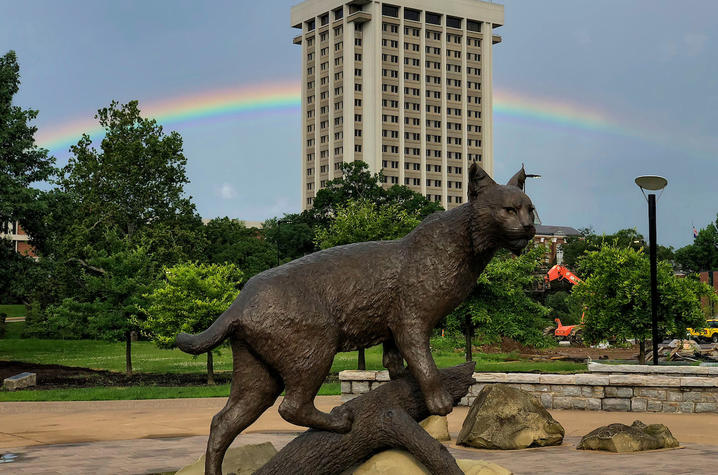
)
(635, 392)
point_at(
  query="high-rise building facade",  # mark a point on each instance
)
(403, 85)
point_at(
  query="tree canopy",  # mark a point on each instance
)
(23, 165)
(500, 305)
(702, 255)
(189, 299)
(230, 241)
(363, 220)
(616, 296)
(576, 246)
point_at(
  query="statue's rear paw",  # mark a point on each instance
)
(343, 419)
(398, 372)
(440, 403)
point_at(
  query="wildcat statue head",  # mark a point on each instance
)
(503, 216)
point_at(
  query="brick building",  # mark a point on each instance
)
(20, 239)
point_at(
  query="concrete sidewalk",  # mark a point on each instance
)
(154, 436)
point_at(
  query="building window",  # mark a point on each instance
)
(433, 18)
(413, 15)
(389, 10)
(473, 25)
(310, 25)
(339, 13)
(453, 22)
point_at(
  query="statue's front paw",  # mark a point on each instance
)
(343, 419)
(440, 403)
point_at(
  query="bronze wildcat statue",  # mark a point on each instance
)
(289, 322)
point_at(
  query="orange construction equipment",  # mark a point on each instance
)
(565, 332)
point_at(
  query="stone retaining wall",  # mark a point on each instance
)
(626, 391)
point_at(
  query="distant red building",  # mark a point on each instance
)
(20, 239)
(553, 237)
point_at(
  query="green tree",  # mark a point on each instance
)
(230, 241)
(136, 178)
(22, 165)
(363, 220)
(576, 246)
(500, 305)
(561, 307)
(189, 299)
(357, 183)
(292, 235)
(111, 201)
(615, 294)
(702, 255)
(114, 282)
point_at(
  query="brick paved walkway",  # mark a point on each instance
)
(151, 456)
(143, 437)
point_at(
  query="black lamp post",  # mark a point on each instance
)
(652, 183)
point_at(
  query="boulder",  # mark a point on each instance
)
(243, 460)
(634, 438)
(437, 427)
(391, 462)
(503, 417)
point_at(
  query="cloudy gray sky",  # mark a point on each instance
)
(645, 70)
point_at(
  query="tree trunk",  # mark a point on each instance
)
(642, 351)
(468, 334)
(128, 353)
(210, 368)
(361, 360)
(384, 418)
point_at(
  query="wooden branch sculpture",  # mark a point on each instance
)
(384, 418)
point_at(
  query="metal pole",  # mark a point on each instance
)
(279, 233)
(654, 273)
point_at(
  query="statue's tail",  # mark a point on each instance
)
(208, 339)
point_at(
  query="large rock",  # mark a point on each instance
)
(20, 381)
(392, 462)
(437, 427)
(634, 438)
(502, 417)
(243, 460)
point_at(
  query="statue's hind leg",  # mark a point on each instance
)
(254, 390)
(302, 384)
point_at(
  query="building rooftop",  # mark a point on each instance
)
(544, 230)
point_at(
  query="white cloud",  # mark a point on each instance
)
(227, 191)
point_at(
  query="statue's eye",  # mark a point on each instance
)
(510, 210)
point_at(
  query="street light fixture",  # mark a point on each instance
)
(653, 183)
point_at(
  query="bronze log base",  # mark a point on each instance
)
(384, 418)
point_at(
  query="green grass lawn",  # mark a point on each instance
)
(147, 358)
(133, 392)
(13, 310)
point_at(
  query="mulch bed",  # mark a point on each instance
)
(58, 376)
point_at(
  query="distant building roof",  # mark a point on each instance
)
(544, 230)
(248, 224)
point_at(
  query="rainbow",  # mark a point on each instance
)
(242, 101)
(284, 97)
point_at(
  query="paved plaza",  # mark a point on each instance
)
(156, 436)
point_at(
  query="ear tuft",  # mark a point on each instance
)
(519, 179)
(478, 180)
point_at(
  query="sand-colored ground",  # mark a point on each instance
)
(159, 435)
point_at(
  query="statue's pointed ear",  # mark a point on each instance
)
(478, 180)
(519, 179)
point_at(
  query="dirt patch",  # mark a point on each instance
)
(58, 376)
(568, 353)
